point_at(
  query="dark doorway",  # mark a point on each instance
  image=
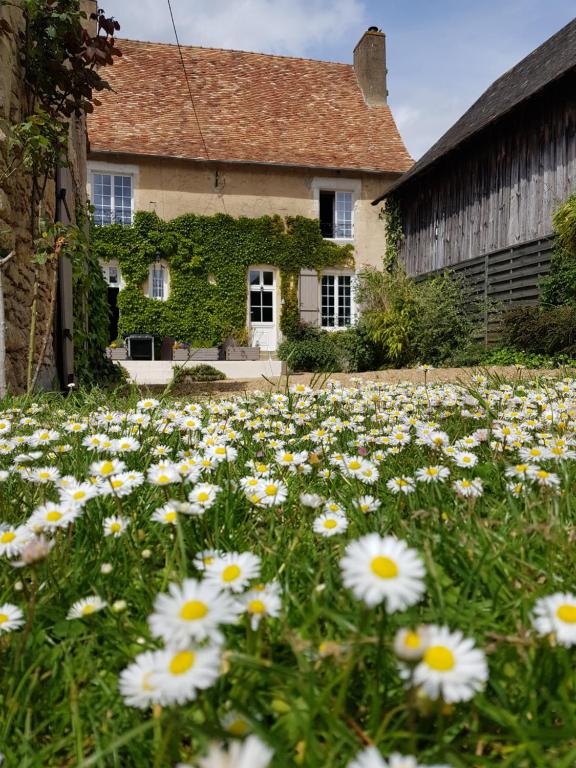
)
(114, 313)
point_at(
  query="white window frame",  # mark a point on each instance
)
(337, 184)
(114, 169)
(166, 282)
(105, 267)
(353, 309)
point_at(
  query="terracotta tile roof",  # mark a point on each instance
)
(252, 107)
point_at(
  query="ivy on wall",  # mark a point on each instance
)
(391, 215)
(208, 259)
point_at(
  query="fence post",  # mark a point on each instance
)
(486, 265)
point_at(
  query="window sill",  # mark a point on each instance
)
(339, 239)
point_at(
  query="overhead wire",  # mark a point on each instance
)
(192, 101)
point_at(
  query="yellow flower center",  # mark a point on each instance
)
(567, 613)
(440, 658)
(256, 606)
(203, 496)
(288, 457)
(208, 560)
(88, 609)
(432, 471)
(170, 516)
(115, 527)
(163, 479)
(7, 537)
(79, 495)
(117, 483)
(330, 524)
(53, 516)
(3, 618)
(412, 640)
(107, 468)
(182, 662)
(193, 610)
(230, 573)
(354, 465)
(384, 568)
(271, 490)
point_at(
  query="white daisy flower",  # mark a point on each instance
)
(233, 571)
(50, 516)
(469, 489)
(163, 474)
(11, 618)
(44, 475)
(167, 514)
(311, 500)
(368, 758)
(432, 474)
(330, 523)
(385, 570)
(114, 526)
(107, 468)
(136, 681)
(366, 504)
(13, 539)
(204, 559)
(86, 607)
(180, 673)
(251, 753)
(193, 611)
(410, 644)
(556, 615)
(401, 485)
(203, 497)
(452, 668)
(260, 601)
(77, 494)
(465, 459)
(148, 404)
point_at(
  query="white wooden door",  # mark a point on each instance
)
(263, 310)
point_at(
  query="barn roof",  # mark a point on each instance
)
(543, 66)
(251, 108)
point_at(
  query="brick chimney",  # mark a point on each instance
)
(370, 66)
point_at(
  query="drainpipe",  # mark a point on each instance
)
(65, 310)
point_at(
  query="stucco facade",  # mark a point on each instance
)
(175, 187)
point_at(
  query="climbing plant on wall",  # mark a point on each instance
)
(392, 217)
(208, 258)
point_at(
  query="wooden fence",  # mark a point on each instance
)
(502, 279)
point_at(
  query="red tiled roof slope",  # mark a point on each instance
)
(252, 107)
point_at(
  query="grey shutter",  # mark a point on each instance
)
(309, 291)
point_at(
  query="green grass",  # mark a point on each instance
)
(321, 681)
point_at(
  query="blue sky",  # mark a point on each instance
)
(441, 53)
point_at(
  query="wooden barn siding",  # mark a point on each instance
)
(502, 279)
(498, 190)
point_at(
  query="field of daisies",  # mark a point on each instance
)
(371, 576)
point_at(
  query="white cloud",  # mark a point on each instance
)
(269, 26)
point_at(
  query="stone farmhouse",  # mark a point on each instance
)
(206, 131)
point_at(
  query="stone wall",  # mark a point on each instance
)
(15, 222)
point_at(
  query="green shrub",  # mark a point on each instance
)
(316, 350)
(543, 330)
(446, 318)
(203, 373)
(410, 322)
(388, 301)
(559, 287)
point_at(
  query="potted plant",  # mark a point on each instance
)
(237, 347)
(116, 350)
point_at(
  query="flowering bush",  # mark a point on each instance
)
(378, 576)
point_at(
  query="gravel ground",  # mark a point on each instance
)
(391, 376)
